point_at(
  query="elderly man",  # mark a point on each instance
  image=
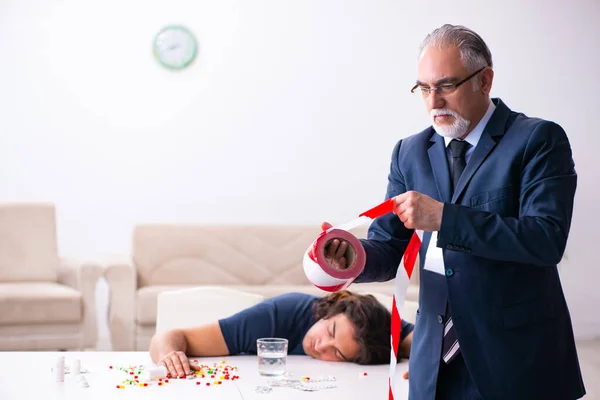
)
(493, 190)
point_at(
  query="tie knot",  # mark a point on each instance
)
(458, 148)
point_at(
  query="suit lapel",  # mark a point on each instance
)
(487, 142)
(439, 165)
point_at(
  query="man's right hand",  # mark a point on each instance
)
(335, 250)
(177, 364)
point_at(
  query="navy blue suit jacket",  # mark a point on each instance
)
(503, 232)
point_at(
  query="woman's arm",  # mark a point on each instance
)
(171, 348)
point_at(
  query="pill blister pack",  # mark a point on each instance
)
(309, 384)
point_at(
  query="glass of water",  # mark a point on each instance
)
(272, 356)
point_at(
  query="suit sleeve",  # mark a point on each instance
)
(387, 238)
(547, 189)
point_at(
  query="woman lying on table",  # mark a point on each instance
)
(342, 326)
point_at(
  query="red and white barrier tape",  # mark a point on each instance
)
(403, 275)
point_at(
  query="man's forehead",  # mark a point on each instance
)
(437, 63)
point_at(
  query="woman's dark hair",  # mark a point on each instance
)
(371, 322)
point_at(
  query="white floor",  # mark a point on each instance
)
(588, 350)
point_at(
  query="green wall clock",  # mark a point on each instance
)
(175, 47)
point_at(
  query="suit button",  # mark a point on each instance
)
(449, 272)
(440, 319)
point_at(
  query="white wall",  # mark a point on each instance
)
(289, 114)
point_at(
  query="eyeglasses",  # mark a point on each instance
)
(444, 89)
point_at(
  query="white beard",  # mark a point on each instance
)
(456, 130)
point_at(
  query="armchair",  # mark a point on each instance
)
(46, 302)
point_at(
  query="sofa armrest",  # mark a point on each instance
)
(119, 272)
(83, 276)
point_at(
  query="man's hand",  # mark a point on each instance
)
(405, 375)
(419, 211)
(177, 364)
(335, 251)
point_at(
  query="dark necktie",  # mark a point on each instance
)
(458, 149)
(450, 345)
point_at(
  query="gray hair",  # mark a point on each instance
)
(473, 50)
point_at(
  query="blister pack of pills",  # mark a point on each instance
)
(305, 383)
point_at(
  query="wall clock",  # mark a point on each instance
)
(175, 47)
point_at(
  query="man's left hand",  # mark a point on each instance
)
(419, 211)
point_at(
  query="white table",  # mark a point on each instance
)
(28, 375)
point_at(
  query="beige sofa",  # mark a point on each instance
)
(265, 260)
(46, 302)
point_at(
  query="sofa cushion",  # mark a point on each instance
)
(147, 296)
(28, 248)
(222, 255)
(39, 303)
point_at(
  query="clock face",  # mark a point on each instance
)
(175, 47)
